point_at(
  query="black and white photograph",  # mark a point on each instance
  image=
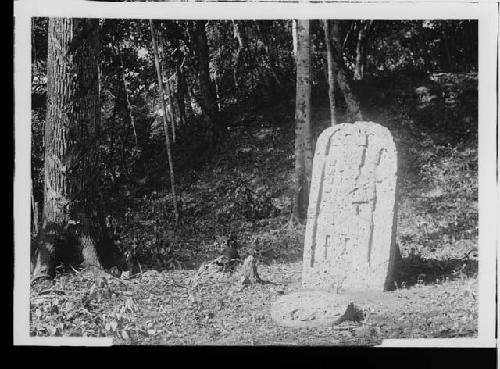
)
(281, 178)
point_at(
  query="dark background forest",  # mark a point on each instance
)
(231, 129)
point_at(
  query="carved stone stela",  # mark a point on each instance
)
(351, 222)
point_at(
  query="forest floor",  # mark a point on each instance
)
(245, 190)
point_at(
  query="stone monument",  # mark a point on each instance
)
(350, 253)
(351, 221)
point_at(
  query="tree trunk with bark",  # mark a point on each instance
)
(330, 62)
(73, 228)
(303, 135)
(294, 38)
(208, 101)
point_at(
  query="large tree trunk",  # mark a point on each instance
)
(72, 225)
(330, 62)
(208, 101)
(303, 136)
(353, 109)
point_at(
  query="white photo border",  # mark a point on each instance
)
(486, 12)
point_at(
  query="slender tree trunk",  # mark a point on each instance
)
(72, 224)
(346, 38)
(359, 67)
(128, 105)
(366, 47)
(168, 89)
(165, 126)
(192, 101)
(294, 37)
(446, 44)
(217, 95)
(353, 109)
(173, 106)
(265, 41)
(239, 35)
(208, 103)
(330, 62)
(303, 136)
(180, 96)
(99, 81)
(169, 96)
(180, 91)
(34, 209)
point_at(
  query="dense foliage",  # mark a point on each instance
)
(251, 63)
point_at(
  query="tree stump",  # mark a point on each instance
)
(248, 272)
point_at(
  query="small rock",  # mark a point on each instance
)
(352, 313)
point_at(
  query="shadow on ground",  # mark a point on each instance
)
(414, 270)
